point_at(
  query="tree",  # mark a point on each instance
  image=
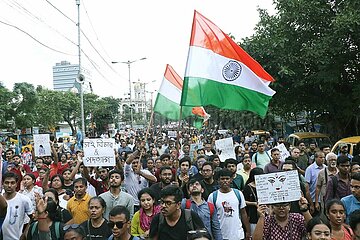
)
(5, 106)
(311, 48)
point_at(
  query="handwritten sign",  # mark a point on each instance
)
(99, 152)
(284, 153)
(193, 148)
(172, 134)
(278, 187)
(42, 145)
(226, 148)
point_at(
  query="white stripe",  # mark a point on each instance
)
(170, 91)
(204, 63)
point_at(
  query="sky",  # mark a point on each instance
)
(44, 32)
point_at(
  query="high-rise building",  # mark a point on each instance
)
(64, 76)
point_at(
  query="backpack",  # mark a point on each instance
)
(237, 193)
(256, 154)
(188, 220)
(57, 229)
(210, 205)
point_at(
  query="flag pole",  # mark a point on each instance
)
(148, 129)
(178, 130)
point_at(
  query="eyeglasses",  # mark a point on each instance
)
(167, 203)
(119, 225)
(281, 205)
(355, 187)
(71, 226)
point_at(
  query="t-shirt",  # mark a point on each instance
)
(101, 233)
(18, 208)
(227, 205)
(261, 159)
(250, 195)
(294, 230)
(176, 232)
(35, 236)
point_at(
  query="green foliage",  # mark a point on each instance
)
(311, 48)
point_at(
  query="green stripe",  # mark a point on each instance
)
(204, 92)
(170, 109)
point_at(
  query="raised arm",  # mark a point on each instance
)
(3, 206)
(53, 151)
(45, 182)
(259, 229)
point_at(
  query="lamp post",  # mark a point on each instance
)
(129, 63)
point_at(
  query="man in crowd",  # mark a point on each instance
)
(339, 185)
(311, 175)
(325, 149)
(322, 179)
(352, 202)
(344, 151)
(136, 178)
(246, 164)
(208, 183)
(19, 169)
(18, 207)
(253, 148)
(261, 157)
(230, 205)
(116, 197)
(166, 177)
(101, 185)
(275, 164)
(205, 210)
(303, 160)
(295, 154)
(120, 222)
(173, 222)
(124, 147)
(165, 162)
(78, 204)
(237, 180)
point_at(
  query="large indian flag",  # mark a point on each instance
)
(220, 73)
(169, 95)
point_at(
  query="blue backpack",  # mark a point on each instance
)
(237, 193)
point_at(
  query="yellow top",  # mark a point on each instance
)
(135, 225)
(79, 208)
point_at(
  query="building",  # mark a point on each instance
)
(64, 77)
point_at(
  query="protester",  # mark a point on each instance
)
(140, 223)
(335, 211)
(120, 223)
(318, 229)
(116, 197)
(208, 182)
(251, 198)
(172, 218)
(206, 210)
(354, 222)
(261, 157)
(96, 227)
(237, 180)
(230, 205)
(78, 204)
(65, 215)
(352, 202)
(275, 163)
(166, 177)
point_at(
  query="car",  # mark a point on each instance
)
(260, 133)
(308, 137)
(349, 141)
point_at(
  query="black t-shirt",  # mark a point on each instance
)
(101, 233)
(178, 231)
(251, 210)
(209, 188)
(64, 215)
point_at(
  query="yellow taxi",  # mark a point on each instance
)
(350, 142)
(308, 137)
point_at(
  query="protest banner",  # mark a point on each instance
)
(284, 153)
(278, 187)
(42, 145)
(172, 134)
(193, 148)
(225, 147)
(99, 152)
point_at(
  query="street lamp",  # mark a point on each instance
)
(129, 63)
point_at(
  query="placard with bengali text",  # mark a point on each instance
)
(99, 152)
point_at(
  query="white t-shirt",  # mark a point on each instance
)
(227, 206)
(18, 208)
(134, 182)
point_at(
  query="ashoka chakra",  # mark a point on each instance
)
(231, 71)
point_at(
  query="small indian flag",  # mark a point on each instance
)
(220, 73)
(168, 99)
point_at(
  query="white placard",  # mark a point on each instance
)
(223, 131)
(226, 148)
(278, 187)
(99, 152)
(42, 145)
(193, 148)
(284, 153)
(172, 134)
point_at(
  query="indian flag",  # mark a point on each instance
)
(169, 95)
(220, 73)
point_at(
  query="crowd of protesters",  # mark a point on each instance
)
(160, 189)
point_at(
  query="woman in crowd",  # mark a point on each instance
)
(335, 211)
(28, 187)
(96, 227)
(57, 183)
(317, 229)
(64, 214)
(68, 180)
(238, 154)
(47, 212)
(251, 199)
(140, 224)
(281, 224)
